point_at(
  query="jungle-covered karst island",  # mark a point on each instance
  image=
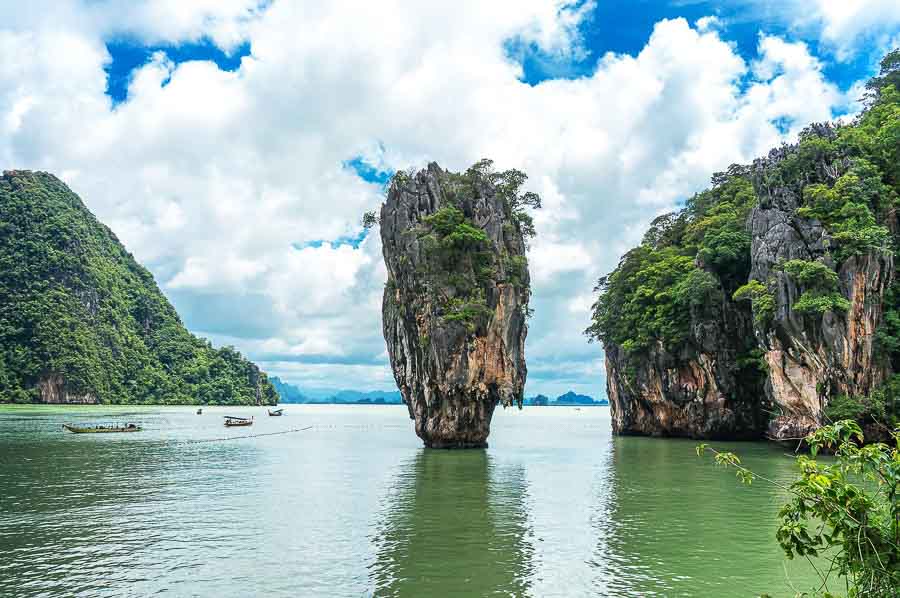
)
(769, 305)
(82, 322)
(455, 303)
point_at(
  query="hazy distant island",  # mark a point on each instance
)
(290, 393)
(568, 399)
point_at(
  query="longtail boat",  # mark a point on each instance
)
(100, 429)
(232, 421)
(276, 412)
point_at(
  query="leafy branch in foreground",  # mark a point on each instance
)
(846, 513)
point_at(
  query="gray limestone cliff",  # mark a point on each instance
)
(456, 301)
(810, 357)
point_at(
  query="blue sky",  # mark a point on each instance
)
(233, 146)
(623, 27)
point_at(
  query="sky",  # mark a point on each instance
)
(233, 145)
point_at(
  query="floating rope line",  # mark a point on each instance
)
(247, 436)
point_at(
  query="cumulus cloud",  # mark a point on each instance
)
(844, 23)
(221, 181)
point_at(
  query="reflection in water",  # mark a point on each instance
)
(455, 524)
(678, 525)
(354, 507)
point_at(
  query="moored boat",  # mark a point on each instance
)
(101, 429)
(276, 412)
(232, 421)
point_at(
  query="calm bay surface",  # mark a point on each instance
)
(354, 506)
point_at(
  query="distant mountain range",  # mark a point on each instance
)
(292, 394)
(565, 400)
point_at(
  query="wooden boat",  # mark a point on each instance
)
(276, 412)
(232, 421)
(99, 429)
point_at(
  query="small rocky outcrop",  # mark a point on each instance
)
(456, 300)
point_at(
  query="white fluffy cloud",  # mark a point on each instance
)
(845, 22)
(223, 182)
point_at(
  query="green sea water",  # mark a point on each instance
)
(354, 506)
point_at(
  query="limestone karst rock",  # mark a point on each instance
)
(456, 299)
(770, 297)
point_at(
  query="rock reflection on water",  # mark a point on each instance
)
(355, 507)
(455, 525)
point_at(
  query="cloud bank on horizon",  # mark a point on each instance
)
(247, 138)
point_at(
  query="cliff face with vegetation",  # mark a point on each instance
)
(82, 322)
(768, 306)
(456, 299)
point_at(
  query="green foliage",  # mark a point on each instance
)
(821, 287)
(845, 512)
(645, 299)
(468, 311)
(819, 304)
(462, 265)
(651, 294)
(848, 177)
(887, 336)
(459, 264)
(74, 303)
(481, 178)
(718, 227)
(761, 298)
(882, 406)
(847, 210)
(889, 75)
(697, 289)
(369, 219)
(811, 274)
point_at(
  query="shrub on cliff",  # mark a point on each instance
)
(842, 516)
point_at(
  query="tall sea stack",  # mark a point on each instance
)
(456, 299)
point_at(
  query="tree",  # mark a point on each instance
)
(845, 514)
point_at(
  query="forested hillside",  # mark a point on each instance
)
(81, 321)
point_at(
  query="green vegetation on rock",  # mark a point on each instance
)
(689, 257)
(461, 265)
(80, 318)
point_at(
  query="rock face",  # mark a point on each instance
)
(54, 390)
(701, 390)
(454, 310)
(811, 359)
